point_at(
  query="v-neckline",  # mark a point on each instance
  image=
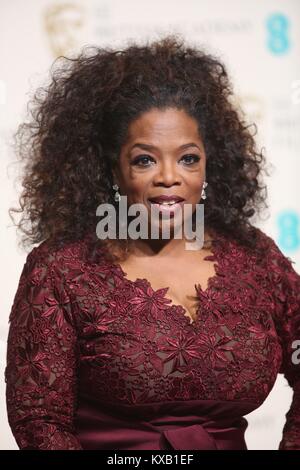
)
(181, 310)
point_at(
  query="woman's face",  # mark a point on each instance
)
(163, 155)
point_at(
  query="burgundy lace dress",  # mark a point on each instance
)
(97, 361)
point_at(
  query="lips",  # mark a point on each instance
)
(167, 204)
(169, 199)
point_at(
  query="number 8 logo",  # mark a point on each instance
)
(278, 29)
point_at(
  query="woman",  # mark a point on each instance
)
(140, 343)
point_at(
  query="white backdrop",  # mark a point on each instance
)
(259, 41)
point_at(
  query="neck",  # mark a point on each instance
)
(163, 247)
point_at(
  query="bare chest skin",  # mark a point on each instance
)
(179, 274)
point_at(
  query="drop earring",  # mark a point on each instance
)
(203, 195)
(117, 196)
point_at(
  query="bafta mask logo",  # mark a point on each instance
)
(63, 24)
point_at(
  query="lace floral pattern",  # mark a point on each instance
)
(79, 327)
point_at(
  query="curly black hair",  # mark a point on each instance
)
(78, 123)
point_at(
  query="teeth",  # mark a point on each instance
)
(167, 203)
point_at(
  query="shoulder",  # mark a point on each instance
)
(259, 248)
(273, 253)
(264, 256)
(266, 247)
(59, 256)
(280, 270)
(263, 241)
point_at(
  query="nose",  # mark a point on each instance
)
(167, 173)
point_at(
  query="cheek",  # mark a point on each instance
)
(195, 185)
(195, 191)
(135, 192)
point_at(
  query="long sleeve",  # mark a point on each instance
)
(42, 356)
(286, 287)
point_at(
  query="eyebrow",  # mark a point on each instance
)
(152, 147)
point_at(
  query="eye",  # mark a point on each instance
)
(195, 158)
(141, 158)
